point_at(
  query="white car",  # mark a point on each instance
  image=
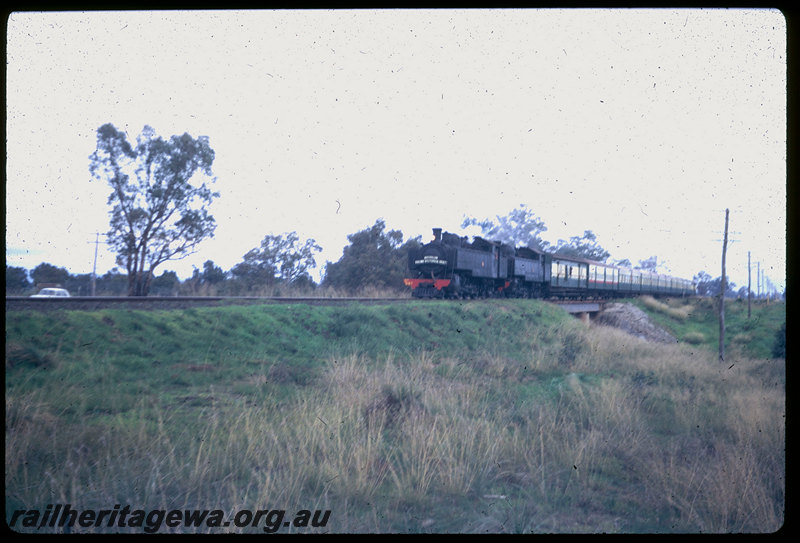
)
(52, 293)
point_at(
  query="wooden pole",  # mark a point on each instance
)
(94, 269)
(749, 292)
(722, 287)
(758, 280)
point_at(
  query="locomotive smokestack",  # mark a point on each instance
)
(437, 234)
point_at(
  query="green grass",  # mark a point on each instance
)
(495, 416)
(696, 321)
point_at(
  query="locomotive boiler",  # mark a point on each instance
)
(451, 266)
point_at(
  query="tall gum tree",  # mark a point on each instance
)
(159, 198)
(519, 228)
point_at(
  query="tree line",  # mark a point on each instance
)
(159, 198)
(375, 259)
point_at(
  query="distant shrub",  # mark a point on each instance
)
(779, 347)
(681, 313)
(694, 338)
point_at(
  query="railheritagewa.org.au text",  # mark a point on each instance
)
(62, 517)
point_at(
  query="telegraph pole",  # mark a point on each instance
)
(758, 280)
(722, 287)
(94, 268)
(749, 292)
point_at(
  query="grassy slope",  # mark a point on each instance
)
(168, 353)
(697, 322)
(483, 416)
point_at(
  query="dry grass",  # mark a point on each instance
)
(593, 431)
(678, 312)
(694, 338)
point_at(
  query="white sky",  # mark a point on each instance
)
(640, 125)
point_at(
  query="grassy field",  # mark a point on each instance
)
(696, 321)
(495, 416)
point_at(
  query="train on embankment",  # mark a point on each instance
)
(452, 267)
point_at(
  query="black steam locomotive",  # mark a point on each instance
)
(452, 267)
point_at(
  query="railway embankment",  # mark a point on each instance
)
(495, 416)
(634, 321)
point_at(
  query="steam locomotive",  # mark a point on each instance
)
(452, 267)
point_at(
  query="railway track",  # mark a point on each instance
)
(91, 303)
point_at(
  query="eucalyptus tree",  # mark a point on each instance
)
(374, 258)
(279, 259)
(585, 246)
(519, 228)
(16, 279)
(46, 273)
(159, 198)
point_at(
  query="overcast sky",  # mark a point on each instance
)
(640, 125)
